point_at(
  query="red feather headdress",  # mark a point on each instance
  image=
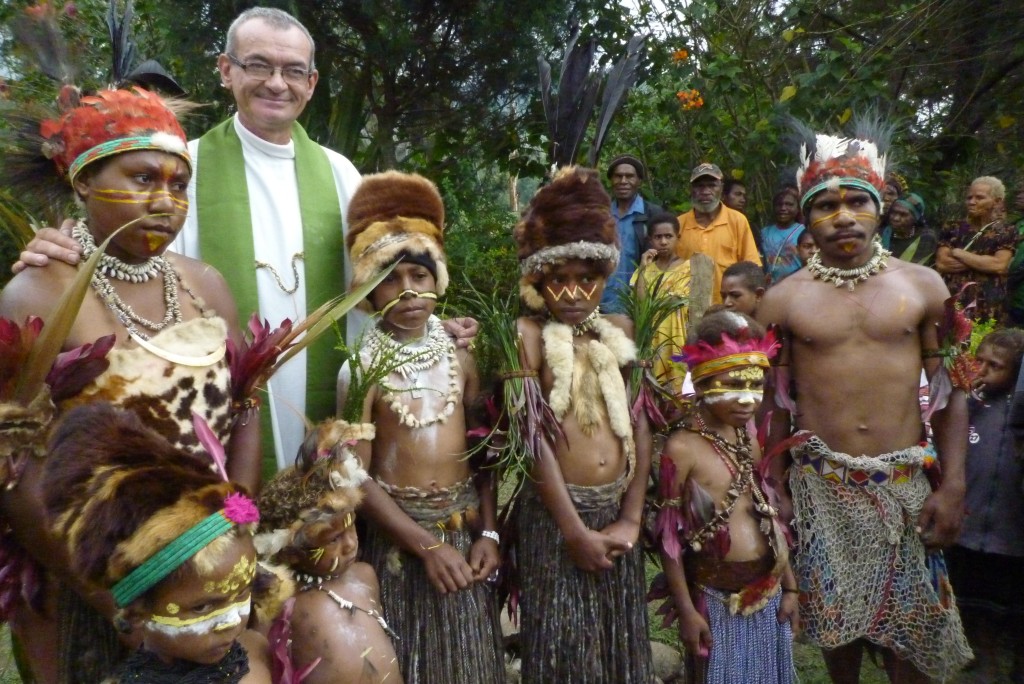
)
(705, 359)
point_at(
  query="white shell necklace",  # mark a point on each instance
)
(850, 276)
(132, 273)
(414, 359)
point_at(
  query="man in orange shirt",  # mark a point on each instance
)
(714, 229)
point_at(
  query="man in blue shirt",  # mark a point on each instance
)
(631, 213)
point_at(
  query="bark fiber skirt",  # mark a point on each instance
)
(577, 626)
(442, 638)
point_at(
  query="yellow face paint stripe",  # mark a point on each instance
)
(171, 621)
(574, 292)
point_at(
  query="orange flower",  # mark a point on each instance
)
(680, 55)
(690, 99)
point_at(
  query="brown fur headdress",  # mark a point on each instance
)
(325, 480)
(392, 213)
(570, 218)
(117, 492)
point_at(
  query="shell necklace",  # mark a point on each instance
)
(850, 276)
(414, 359)
(111, 266)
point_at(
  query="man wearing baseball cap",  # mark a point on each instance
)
(714, 229)
(631, 213)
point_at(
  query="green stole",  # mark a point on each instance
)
(226, 242)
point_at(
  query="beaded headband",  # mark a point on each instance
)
(729, 362)
(832, 162)
(705, 360)
(238, 510)
(108, 123)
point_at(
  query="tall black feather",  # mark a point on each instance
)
(621, 78)
(569, 113)
(121, 42)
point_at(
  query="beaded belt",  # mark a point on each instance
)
(834, 471)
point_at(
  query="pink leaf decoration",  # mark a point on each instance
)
(279, 637)
(212, 445)
(240, 509)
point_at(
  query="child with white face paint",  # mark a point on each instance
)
(724, 552)
(167, 537)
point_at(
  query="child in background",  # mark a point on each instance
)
(431, 532)
(334, 624)
(780, 238)
(805, 246)
(722, 548)
(987, 563)
(743, 285)
(167, 537)
(583, 613)
(660, 265)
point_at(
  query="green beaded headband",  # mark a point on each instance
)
(238, 510)
(163, 142)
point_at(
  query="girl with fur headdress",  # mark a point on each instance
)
(122, 154)
(727, 576)
(580, 570)
(431, 513)
(332, 631)
(171, 541)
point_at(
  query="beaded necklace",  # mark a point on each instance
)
(738, 459)
(850, 276)
(132, 273)
(413, 359)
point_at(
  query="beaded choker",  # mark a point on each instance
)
(112, 267)
(587, 324)
(850, 276)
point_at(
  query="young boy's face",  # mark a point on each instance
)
(805, 246)
(732, 397)
(197, 617)
(737, 295)
(663, 237)
(995, 369)
(397, 296)
(336, 546)
(572, 290)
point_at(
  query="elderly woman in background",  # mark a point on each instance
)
(906, 216)
(979, 250)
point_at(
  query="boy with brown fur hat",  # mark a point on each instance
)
(584, 616)
(167, 537)
(332, 630)
(431, 533)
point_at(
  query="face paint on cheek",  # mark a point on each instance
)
(220, 620)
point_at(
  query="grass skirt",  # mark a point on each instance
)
(577, 626)
(449, 638)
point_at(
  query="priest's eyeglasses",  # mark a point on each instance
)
(261, 71)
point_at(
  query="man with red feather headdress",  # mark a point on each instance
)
(857, 326)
